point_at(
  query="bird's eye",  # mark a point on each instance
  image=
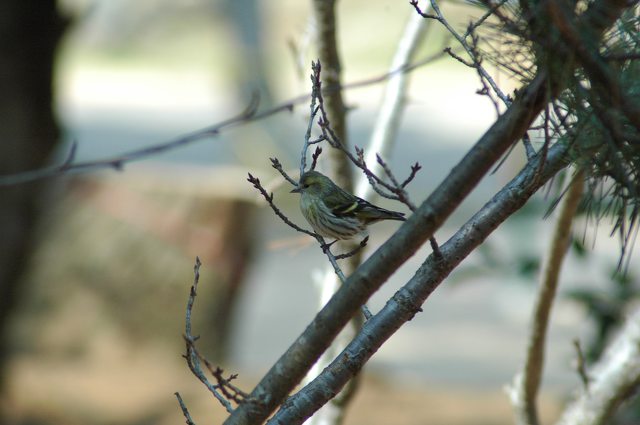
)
(305, 185)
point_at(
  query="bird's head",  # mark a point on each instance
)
(313, 183)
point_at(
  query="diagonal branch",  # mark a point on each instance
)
(294, 363)
(408, 300)
(269, 198)
(250, 114)
(287, 372)
(118, 162)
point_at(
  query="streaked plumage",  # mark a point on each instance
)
(335, 213)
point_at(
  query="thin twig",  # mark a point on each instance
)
(354, 251)
(473, 52)
(315, 156)
(250, 114)
(194, 358)
(118, 162)
(399, 70)
(392, 105)
(316, 96)
(414, 170)
(230, 391)
(275, 163)
(397, 191)
(316, 87)
(470, 49)
(581, 365)
(184, 409)
(359, 161)
(269, 198)
(401, 195)
(397, 188)
(474, 25)
(459, 58)
(404, 197)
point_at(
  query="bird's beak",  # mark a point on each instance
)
(296, 190)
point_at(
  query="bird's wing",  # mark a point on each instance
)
(342, 204)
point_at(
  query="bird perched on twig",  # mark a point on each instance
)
(335, 213)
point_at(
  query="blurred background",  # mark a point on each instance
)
(97, 266)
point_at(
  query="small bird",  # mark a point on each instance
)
(335, 213)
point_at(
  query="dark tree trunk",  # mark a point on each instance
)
(29, 32)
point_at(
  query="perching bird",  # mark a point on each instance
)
(335, 213)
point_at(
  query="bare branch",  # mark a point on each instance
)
(118, 162)
(315, 156)
(408, 300)
(316, 92)
(358, 160)
(250, 114)
(269, 198)
(230, 391)
(331, 102)
(414, 170)
(457, 57)
(469, 48)
(473, 52)
(354, 251)
(333, 120)
(364, 281)
(425, 15)
(192, 355)
(397, 188)
(184, 409)
(375, 182)
(491, 11)
(287, 372)
(581, 366)
(397, 71)
(524, 390)
(275, 163)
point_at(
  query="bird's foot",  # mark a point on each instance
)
(325, 247)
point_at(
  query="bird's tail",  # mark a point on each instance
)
(374, 213)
